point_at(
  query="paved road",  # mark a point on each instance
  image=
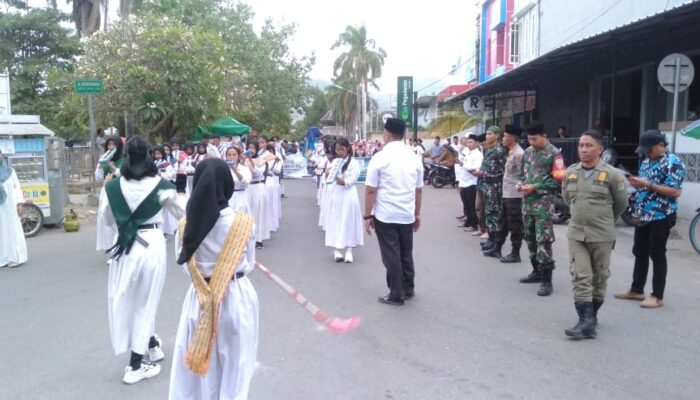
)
(472, 332)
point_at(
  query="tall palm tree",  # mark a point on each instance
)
(343, 103)
(361, 62)
(86, 15)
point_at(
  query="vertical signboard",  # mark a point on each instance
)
(404, 98)
(5, 108)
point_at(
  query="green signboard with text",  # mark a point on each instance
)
(404, 99)
(89, 86)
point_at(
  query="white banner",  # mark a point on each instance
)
(295, 166)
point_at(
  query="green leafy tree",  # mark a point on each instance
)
(35, 47)
(177, 72)
(271, 82)
(315, 107)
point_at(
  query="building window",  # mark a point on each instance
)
(514, 44)
(528, 36)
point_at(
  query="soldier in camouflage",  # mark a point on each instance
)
(492, 174)
(539, 189)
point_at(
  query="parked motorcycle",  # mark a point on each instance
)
(442, 176)
(561, 212)
(610, 156)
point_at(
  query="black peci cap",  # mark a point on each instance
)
(395, 126)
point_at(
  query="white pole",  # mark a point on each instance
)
(676, 92)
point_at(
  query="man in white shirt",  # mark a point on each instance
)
(393, 195)
(469, 162)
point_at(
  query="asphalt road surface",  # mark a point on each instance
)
(471, 332)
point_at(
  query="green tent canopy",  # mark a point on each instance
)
(223, 127)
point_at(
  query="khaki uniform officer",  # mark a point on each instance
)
(596, 194)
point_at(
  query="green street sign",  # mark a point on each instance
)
(404, 99)
(89, 86)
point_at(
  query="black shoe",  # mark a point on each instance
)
(494, 252)
(487, 245)
(410, 295)
(532, 277)
(585, 329)
(258, 245)
(511, 258)
(390, 300)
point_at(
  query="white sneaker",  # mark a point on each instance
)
(156, 354)
(338, 256)
(348, 255)
(146, 371)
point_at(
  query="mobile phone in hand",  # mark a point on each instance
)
(628, 175)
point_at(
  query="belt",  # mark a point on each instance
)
(239, 190)
(148, 226)
(493, 180)
(237, 275)
(256, 182)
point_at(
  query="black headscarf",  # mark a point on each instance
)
(212, 186)
(138, 162)
(118, 144)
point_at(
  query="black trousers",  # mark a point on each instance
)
(396, 247)
(468, 196)
(511, 221)
(650, 242)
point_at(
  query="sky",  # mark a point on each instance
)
(422, 39)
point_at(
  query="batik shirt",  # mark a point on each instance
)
(668, 170)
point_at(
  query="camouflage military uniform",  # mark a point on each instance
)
(538, 206)
(493, 166)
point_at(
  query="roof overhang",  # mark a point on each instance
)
(682, 18)
(21, 125)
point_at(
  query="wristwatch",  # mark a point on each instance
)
(367, 217)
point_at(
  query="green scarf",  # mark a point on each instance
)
(128, 222)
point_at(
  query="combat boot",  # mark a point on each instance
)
(514, 256)
(535, 276)
(596, 306)
(495, 251)
(546, 284)
(585, 329)
(579, 310)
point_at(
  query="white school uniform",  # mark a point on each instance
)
(239, 198)
(344, 217)
(235, 346)
(273, 202)
(256, 202)
(13, 246)
(169, 219)
(326, 194)
(136, 279)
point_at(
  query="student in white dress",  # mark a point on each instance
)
(256, 194)
(242, 175)
(232, 343)
(13, 246)
(344, 221)
(273, 203)
(188, 165)
(326, 188)
(131, 209)
(167, 172)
